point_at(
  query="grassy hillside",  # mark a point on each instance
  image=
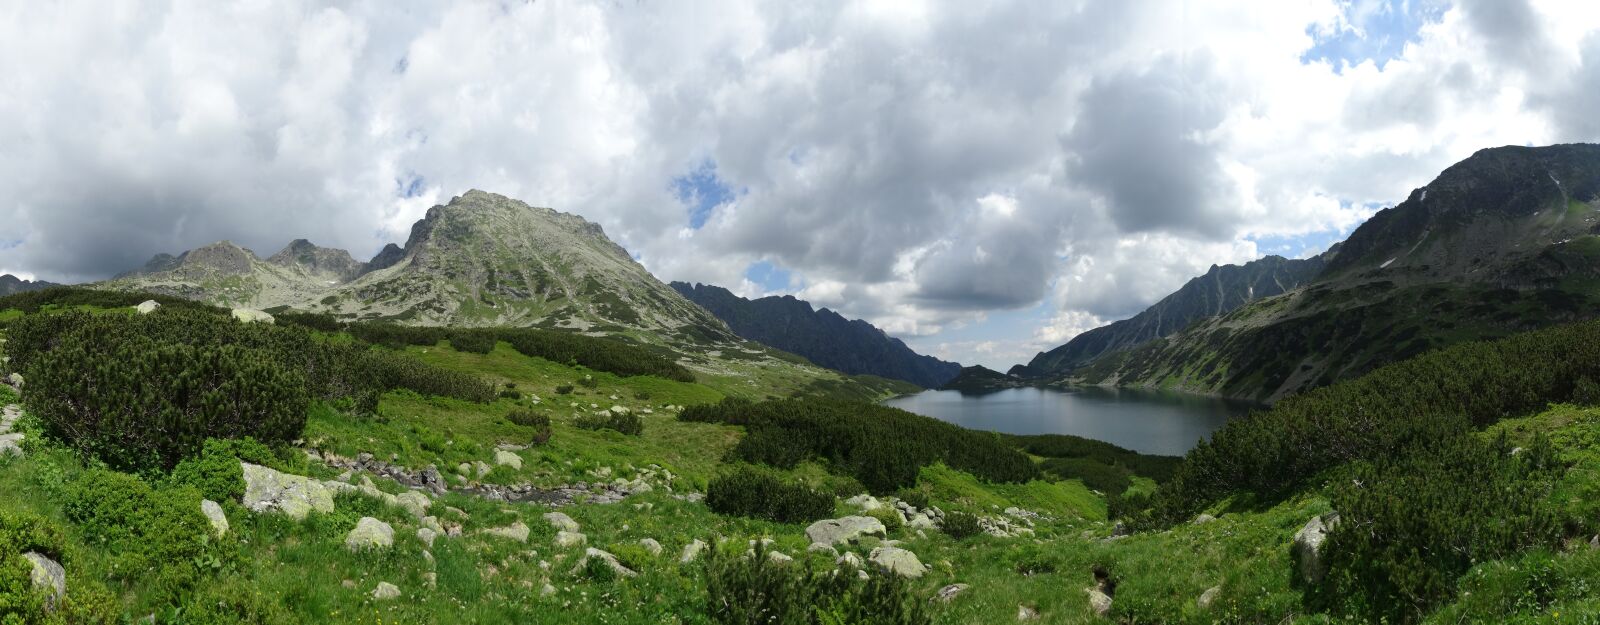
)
(1030, 524)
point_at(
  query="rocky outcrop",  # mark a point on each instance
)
(146, 307)
(268, 490)
(516, 531)
(49, 576)
(897, 561)
(248, 315)
(845, 530)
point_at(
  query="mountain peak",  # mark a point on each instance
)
(321, 262)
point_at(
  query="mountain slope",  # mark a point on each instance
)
(1220, 290)
(1506, 240)
(11, 284)
(822, 336)
(487, 260)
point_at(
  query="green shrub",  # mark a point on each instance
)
(1586, 392)
(744, 590)
(215, 471)
(1410, 526)
(158, 537)
(510, 394)
(626, 423)
(588, 382)
(885, 448)
(760, 494)
(529, 419)
(564, 389)
(916, 497)
(1093, 473)
(19, 534)
(960, 525)
(890, 518)
(473, 341)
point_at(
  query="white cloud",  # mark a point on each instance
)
(919, 164)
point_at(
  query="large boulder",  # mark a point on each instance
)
(213, 512)
(414, 502)
(898, 561)
(250, 315)
(369, 533)
(516, 531)
(561, 521)
(508, 459)
(1307, 547)
(1099, 602)
(568, 540)
(148, 306)
(608, 559)
(867, 503)
(692, 551)
(385, 592)
(845, 530)
(47, 575)
(269, 490)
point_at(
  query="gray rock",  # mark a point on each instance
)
(547, 590)
(293, 495)
(568, 540)
(920, 521)
(846, 530)
(610, 561)
(1204, 519)
(47, 575)
(1307, 547)
(369, 533)
(692, 551)
(778, 557)
(507, 459)
(867, 503)
(427, 536)
(15, 379)
(414, 502)
(249, 315)
(10, 445)
(1208, 597)
(385, 592)
(651, 545)
(1099, 602)
(1027, 613)
(949, 593)
(898, 561)
(516, 531)
(481, 468)
(561, 522)
(148, 306)
(821, 548)
(213, 512)
(851, 560)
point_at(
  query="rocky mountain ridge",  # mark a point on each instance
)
(10, 284)
(821, 335)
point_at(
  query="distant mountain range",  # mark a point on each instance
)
(822, 336)
(10, 284)
(1220, 290)
(1504, 241)
(487, 260)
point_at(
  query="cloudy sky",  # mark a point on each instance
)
(983, 178)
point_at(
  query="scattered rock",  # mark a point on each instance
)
(651, 545)
(516, 531)
(561, 521)
(369, 533)
(948, 593)
(414, 502)
(867, 503)
(1307, 548)
(427, 536)
(10, 445)
(48, 575)
(15, 379)
(851, 560)
(213, 512)
(1208, 597)
(898, 561)
(464, 468)
(1099, 602)
(266, 489)
(1204, 519)
(1027, 613)
(821, 548)
(385, 592)
(547, 590)
(481, 468)
(920, 521)
(507, 459)
(148, 306)
(248, 315)
(568, 540)
(845, 530)
(692, 551)
(609, 560)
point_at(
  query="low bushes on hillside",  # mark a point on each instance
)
(742, 589)
(158, 537)
(1410, 526)
(1158, 468)
(529, 419)
(1112, 480)
(1465, 386)
(145, 391)
(599, 354)
(626, 423)
(760, 494)
(882, 447)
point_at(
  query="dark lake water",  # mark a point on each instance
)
(1148, 422)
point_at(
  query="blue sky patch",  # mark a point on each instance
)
(768, 276)
(1377, 30)
(412, 185)
(702, 191)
